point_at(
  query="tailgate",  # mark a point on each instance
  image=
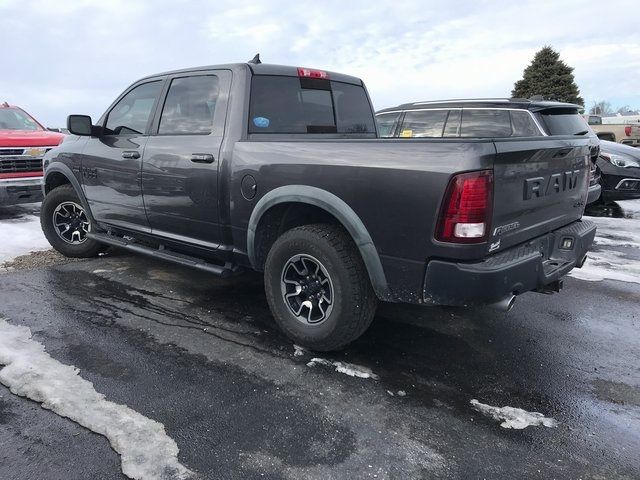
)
(540, 185)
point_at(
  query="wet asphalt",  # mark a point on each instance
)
(203, 357)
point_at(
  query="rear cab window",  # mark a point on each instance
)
(564, 121)
(294, 105)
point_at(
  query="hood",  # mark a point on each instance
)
(614, 147)
(29, 138)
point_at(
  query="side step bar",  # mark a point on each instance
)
(163, 254)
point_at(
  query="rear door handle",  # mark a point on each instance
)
(563, 153)
(130, 154)
(202, 158)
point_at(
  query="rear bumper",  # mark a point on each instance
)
(594, 193)
(20, 190)
(530, 266)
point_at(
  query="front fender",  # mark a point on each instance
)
(336, 207)
(62, 169)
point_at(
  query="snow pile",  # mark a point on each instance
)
(512, 417)
(20, 236)
(343, 367)
(609, 265)
(298, 351)
(145, 449)
(604, 261)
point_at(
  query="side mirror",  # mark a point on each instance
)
(80, 125)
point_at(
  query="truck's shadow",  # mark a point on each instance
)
(613, 210)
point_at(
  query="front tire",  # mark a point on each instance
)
(65, 224)
(318, 288)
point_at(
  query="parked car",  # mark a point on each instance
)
(620, 171)
(23, 143)
(490, 119)
(625, 133)
(279, 169)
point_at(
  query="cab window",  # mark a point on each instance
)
(523, 124)
(452, 127)
(423, 123)
(481, 123)
(131, 114)
(290, 105)
(189, 106)
(387, 124)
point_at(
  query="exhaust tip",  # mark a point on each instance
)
(505, 304)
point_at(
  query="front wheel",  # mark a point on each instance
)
(318, 288)
(66, 224)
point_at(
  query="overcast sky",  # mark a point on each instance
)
(76, 56)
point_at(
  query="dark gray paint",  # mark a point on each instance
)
(392, 187)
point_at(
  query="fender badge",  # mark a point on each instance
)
(506, 228)
(494, 246)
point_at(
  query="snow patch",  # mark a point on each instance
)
(605, 260)
(20, 236)
(298, 351)
(344, 367)
(512, 417)
(145, 449)
(609, 265)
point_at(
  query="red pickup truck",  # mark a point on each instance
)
(23, 143)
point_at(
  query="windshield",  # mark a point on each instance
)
(16, 119)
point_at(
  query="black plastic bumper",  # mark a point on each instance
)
(532, 266)
(594, 193)
(21, 190)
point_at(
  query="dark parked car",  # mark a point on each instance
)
(279, 169)
(620, 171)
(490, 118)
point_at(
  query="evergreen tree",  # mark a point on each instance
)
(549, 77)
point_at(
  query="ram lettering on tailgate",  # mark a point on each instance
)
(556, 183)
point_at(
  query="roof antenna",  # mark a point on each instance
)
(256, 60)
(5, 104)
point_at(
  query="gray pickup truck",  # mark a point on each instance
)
(280, 169)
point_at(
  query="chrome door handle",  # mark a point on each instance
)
(130, 154)
(202, 158)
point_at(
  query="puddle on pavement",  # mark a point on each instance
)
(617, 392)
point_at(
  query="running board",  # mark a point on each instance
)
(221, 271)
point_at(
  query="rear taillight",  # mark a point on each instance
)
(627, 130)
(465, 216)
(310, 73)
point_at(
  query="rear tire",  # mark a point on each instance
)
(62, 207)
(335, 302)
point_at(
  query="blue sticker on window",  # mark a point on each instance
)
(261, 122)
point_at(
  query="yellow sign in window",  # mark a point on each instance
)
(406, 133)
